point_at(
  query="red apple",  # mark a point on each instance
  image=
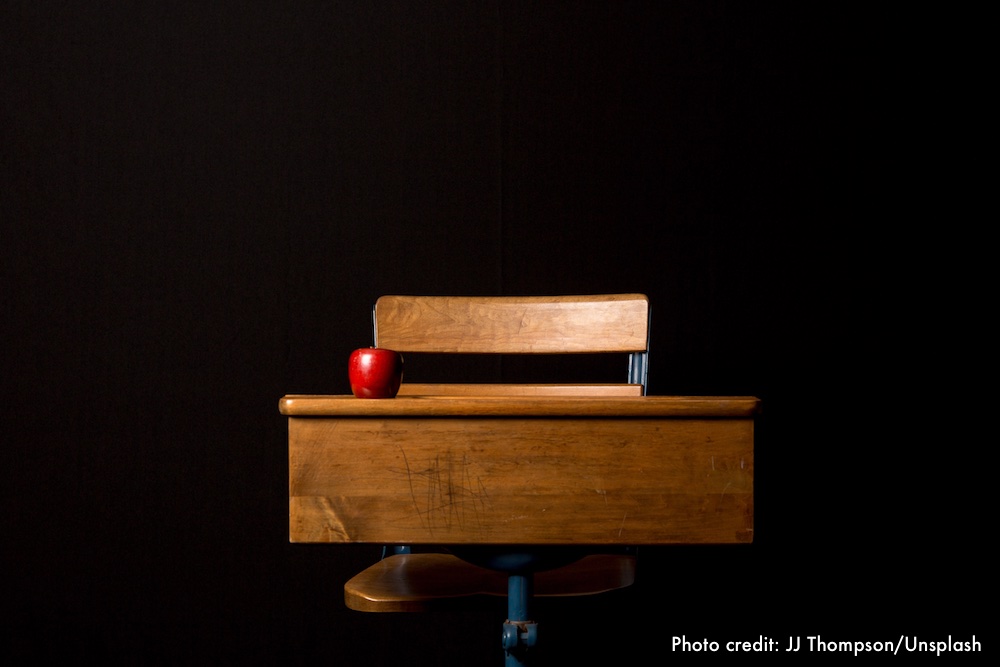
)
(375, 372)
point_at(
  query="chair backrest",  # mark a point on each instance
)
(577, 324)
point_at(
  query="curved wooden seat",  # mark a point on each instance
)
(441, 581)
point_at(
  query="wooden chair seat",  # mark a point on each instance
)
(442, 581)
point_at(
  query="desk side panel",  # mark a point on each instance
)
(520, 481)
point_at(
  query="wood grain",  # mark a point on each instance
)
(524, 325)
(483, 389)
(519, 405)
(521, 480)
(439, 581)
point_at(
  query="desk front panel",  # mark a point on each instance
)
(510, 480)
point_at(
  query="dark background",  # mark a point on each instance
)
(201, 201)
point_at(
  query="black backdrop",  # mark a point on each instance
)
(201, 201)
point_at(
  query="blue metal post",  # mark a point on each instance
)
(519, 632)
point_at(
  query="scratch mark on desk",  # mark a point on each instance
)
(409, 476)
(452, 494)
(622, 527)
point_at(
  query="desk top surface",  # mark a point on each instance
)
(313, 405)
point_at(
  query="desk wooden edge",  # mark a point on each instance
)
(318, 405)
